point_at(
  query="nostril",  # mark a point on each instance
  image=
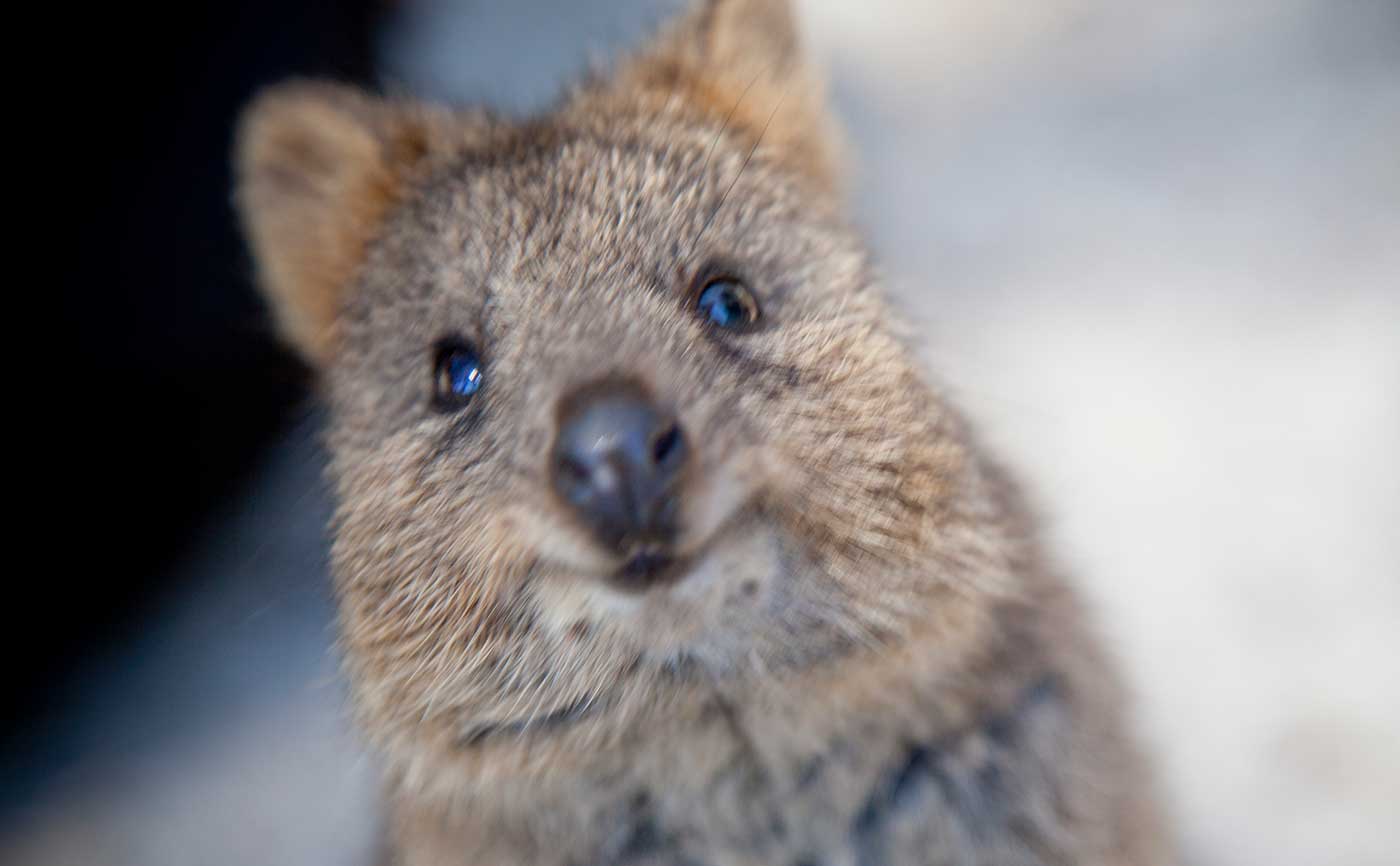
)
(571, 472)
(667, 444)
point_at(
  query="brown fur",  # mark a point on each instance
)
(869, 662)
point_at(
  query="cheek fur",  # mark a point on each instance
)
(429, 581)
(876, 464)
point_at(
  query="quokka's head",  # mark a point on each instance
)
(615, 399)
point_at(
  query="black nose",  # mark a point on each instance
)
(618, 461)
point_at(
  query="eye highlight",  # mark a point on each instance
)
(458, 373)
(727, 303)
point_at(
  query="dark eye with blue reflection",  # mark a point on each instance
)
(727, 303)
(458, 374)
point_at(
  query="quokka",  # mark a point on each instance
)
(653, 542)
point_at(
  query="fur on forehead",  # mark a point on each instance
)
(319, 166)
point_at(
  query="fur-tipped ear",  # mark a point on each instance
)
(742, 62)
(317, 167)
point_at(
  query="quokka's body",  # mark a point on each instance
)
(653, 544)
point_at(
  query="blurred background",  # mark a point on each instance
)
(1152, 248)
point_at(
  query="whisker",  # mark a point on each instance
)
(724, 127)
(740, 173)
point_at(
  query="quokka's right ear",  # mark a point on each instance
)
(317, 167)
(742, 61)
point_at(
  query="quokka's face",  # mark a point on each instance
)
(613, 398)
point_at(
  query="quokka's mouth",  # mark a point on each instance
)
(658, 566)
(647, 568)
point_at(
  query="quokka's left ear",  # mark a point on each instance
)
(742, 60)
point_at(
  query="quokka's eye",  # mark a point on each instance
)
(727, 303)
(458, 373)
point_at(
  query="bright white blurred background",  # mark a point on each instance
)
(1152, 248)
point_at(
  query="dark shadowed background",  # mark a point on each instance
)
(1154, 249)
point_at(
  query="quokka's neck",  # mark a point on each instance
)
(776, 777)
